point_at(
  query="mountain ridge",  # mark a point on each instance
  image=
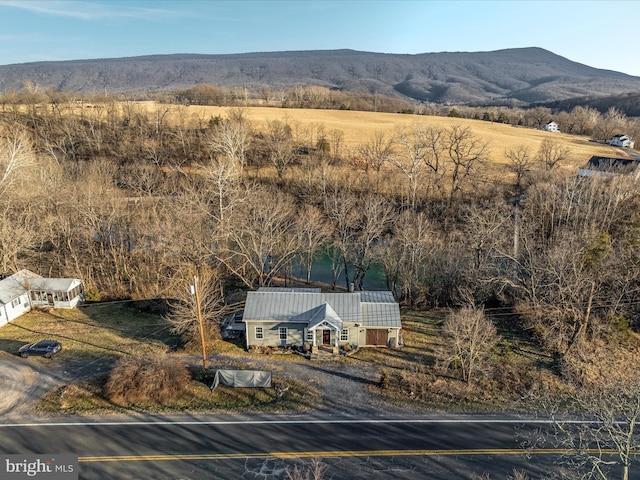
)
(518, 75)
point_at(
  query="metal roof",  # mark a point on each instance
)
(383, 296)
(10, 289)
(290, 289)
(312, 308)
(21, 282)
(54, 284)
(324, 314)
(381, 315)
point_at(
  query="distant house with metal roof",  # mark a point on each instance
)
(551, 127)
(621, 140)
(609, 166)
(284, 317)
(25, 290)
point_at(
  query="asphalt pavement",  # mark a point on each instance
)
(187, 447)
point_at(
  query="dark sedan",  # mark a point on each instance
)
(44, 348)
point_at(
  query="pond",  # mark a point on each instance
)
(321, 272)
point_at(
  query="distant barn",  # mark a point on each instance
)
(609, 166)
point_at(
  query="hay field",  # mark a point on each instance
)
(359, 127)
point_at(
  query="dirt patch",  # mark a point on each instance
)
(24, 381)
(347, 386)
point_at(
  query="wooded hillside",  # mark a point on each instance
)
(505, 77)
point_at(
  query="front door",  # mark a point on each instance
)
(326, 337)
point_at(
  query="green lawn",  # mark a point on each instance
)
(95, 336)
(109, 330)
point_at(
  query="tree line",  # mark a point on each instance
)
(132, 200)
(138, 202)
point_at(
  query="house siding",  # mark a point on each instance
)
(22, 307)
(271, 333)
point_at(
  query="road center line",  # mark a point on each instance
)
(333, 454)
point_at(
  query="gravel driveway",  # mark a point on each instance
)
(344, 384)
(24, 381)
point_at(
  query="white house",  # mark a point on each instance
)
(25, 290)
(551, 127)
(621, 140)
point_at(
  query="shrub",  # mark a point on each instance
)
(140, 379)
(92, 295)
(385, 380)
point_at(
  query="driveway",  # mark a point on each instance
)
(344, 384)
(24, 381)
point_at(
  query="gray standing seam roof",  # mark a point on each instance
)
(375, 309)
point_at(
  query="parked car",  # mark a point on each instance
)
(234, 327)
(44, 348)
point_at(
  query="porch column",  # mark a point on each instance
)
(314, 347)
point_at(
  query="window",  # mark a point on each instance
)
(344, 335)
(259, 333)
(282, 331)
(16, 302)
(310, 335)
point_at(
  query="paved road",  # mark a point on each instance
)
(197, 448)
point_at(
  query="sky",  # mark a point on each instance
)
(601, 34)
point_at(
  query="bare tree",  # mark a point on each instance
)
(230, 138)
(315, 231)
(571, 263)
(612, 122)
(471, 336)
(18, 228)
(16, 156)
(336, 137)
(316, 470)
(374, 214)
(404, 254)
(340, 208)
(410, 158)
(466, 153)
(262, 238)
(551, 153)
(280, 146)
(520, 162)
(183, 307)
(538, 117)
(375, 153)
(604, 446)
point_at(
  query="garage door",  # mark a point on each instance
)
(377, 337)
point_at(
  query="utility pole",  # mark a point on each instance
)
(194, 291)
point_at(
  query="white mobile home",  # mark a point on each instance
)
(14, 299)
(25, 290)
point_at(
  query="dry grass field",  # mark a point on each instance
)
(359, 127)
